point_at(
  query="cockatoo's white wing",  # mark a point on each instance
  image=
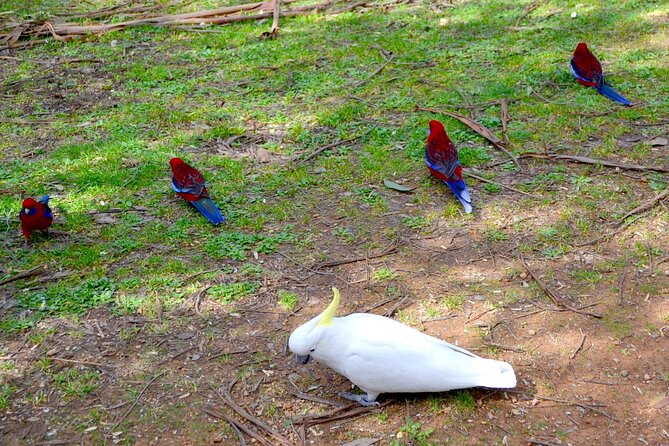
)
(381, 355)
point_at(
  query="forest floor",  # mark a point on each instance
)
(137, 322)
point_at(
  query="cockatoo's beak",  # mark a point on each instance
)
(302, 359)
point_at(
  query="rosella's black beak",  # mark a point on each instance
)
(302, 359)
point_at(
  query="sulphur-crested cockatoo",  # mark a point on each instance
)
(380, 355)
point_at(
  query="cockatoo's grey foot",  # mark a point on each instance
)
(360, 399)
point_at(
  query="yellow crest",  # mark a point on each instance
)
(331, 310)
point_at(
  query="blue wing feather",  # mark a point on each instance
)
(208, 208)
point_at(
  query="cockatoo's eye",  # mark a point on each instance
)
(312, 350)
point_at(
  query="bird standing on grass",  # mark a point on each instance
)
(35, 216)
(380, 355)
(189, 184)
(441, 158)
(588, 71)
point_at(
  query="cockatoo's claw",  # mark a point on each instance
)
(360, 399)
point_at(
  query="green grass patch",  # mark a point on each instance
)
(232, 292)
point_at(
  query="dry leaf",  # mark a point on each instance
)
(658, 141)
(398, 187)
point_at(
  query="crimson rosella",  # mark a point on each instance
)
(441, 158)
(35, 216)
(588, 71)
(189, 184)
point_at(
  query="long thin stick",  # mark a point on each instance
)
(648, 204)
(553, 297)
(594, 161)
(354, 260)
(74, 361)
(580, 346)
(275, 20)
(504, 186)
(221, 416)
(25, 274)
(330, 146)
(227, 398)
(137, 400)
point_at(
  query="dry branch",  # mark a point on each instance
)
(339, 413)
(597, 162)
(553, 297)
(609, 235)
(36, 271)
(330, 146)
(227, 399)
(230, 14)
(580, 346)
(648, 204)
(134, 403)
(260, 439)
(504, 106)
(333, 263)
(504, 186)
(478, 128)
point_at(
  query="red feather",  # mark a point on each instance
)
(586, 65)
(34, 216)
(188, 177)
(442, 154)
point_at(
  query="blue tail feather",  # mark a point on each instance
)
(461, 192)
(45, 201)
(610, 93)
(208, 208)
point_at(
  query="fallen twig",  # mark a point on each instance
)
(571, 403)
(227, 399)
(330, 146)
(609, 235)
(75, 361)
(137, 400)
(504, 186)
(334, 263)
(505, 347)
(242, 441)
(580, 346)
(597, 162)
(339, 413)
(316, 399)
(218, 16)
(504, 110)
(388, 59)
(553, 297)
(173, 357)
(36, 271)
(647, 205)
(221, 416)
(621, 286)
(396, 307)
(526, 12)
(478, 128)
(223, 353)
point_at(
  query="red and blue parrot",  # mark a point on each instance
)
(35, 216)
(588, 71)
(189, 184)
(441, 158)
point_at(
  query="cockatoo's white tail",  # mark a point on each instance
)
(501, 375)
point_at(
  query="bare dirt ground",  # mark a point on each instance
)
(583, 379)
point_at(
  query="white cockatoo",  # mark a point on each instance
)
(380, 355)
